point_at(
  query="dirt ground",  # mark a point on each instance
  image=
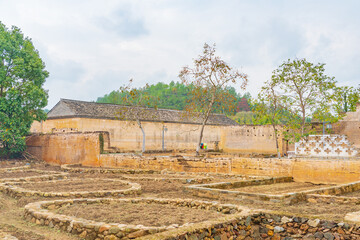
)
(139, 213)
(78, 185)
(280, 188)
(12, 221)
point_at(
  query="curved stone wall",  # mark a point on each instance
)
(39, 213)
(14, 190)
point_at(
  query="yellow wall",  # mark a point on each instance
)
(84, 148)
(127, 136)
(249, 139)
(333, 171)
(65, 148)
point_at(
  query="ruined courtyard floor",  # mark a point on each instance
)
(12, 209)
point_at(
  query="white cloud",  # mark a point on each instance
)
(93, 47)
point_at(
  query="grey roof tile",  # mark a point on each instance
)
(67, 108)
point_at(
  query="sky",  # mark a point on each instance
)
(91, 48)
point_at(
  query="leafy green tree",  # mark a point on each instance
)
(305, 91)
(346, 99)
(22, 97)
(269, 110)
(244, 118)
(209, 79)
(171, 96)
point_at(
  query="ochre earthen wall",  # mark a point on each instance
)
(249, 139)
(349, 128)
(63, 148)
(84, 148)
(127, 136)
(302, 170)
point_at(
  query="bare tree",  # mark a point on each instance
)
(208, 80)
(138, 106)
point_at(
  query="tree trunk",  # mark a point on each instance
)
(143, 132)
(277, 142)
(203, 126)
(303, 123)
(200, 138)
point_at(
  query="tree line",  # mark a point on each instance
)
(175, 95)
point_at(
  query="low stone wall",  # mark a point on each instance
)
(14, 168)
(47, 175)
(219, 190)
(327, 171)
(39, 213)
(322, 195)
(339, 189)
(79, 169)
(15, 191)
(238, 184)
(264, 226)
(317, 198)
(331, 194)
(59, 149)
(169, 177)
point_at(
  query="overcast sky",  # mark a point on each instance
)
(93, 47)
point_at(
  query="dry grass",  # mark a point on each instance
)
(281, 188)
(75, 185)
(152, 214)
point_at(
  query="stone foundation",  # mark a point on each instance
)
(38, 213)
(15, 191)
(14, 168)
(264, 226)
(47, 175)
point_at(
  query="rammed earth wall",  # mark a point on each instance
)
(84, 148)
(126, 136)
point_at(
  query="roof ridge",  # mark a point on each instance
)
(115, 104)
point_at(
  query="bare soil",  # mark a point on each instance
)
(75, 185)
(281, 188)
(20, 234)
(12, 221)
(19, 174)
(152, 214)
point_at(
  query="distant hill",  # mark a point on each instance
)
(175, 96)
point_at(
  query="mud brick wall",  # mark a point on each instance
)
(351, 129)
(63, 148)
(249, 139)
(84, 148)
(126, 136)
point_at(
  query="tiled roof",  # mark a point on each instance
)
(66, 108)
